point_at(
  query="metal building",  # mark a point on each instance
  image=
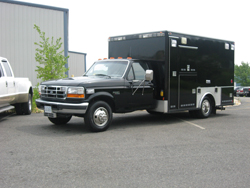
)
(77, 63)
(17, 35)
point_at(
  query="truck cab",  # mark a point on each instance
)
(109, 86)
(125, 81)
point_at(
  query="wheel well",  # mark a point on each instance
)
(211, 99)
(105, 99)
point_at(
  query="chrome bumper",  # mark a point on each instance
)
(64, 108)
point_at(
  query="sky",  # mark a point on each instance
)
(92, 22)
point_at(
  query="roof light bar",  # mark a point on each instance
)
(144, 35)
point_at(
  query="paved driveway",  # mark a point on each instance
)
(139, 150)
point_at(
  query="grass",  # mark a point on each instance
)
(35, 96)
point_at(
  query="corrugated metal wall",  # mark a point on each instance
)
(77, 63)
(17, 35)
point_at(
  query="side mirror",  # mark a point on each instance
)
(149, 75)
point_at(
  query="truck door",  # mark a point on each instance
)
(183, 75)
(141, 93)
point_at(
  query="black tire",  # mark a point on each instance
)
(99, 116)
(24, 108)
(206, 108)
(18, 108)
(60, 120)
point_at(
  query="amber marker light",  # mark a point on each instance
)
(161, 93)
(75, 95)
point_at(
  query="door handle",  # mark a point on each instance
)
(6, 84)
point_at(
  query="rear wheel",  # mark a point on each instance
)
(24, 108)
(18, 108)
(206, 108)
(99, 116)
(27, 107)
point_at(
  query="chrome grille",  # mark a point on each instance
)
(58, 92)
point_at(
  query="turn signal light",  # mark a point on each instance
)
(75, 95)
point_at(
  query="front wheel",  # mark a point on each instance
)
(99, 116)
(60, 120)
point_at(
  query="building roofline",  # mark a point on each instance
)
(77, 52)
(34, 5)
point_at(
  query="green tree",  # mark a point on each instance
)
(50, 57)
(242, 74)
(51, 60)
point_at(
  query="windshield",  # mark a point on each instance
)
(107, 68)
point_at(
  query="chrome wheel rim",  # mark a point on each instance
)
(206, 107)
(100, 116)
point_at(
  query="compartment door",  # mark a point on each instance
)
(187, 91)
(182, 74)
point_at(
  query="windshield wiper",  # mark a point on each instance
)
(102, 75)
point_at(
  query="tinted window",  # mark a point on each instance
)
(140, 70)
(131, 74)
(7, 69)
(1, 71)
(110, 68)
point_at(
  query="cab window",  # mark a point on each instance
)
(7, 69)
(1, 71)
(137, 71)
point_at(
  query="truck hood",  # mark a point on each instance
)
(93, 81)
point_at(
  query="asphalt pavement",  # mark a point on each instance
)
(138, 150)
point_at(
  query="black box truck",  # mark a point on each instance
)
(160, 72)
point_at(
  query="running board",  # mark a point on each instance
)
(6, 108)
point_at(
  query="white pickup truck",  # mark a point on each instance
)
(14, 92)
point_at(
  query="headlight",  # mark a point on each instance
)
(75, 92)
(41, 88)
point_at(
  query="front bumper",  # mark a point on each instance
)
(64, 108)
